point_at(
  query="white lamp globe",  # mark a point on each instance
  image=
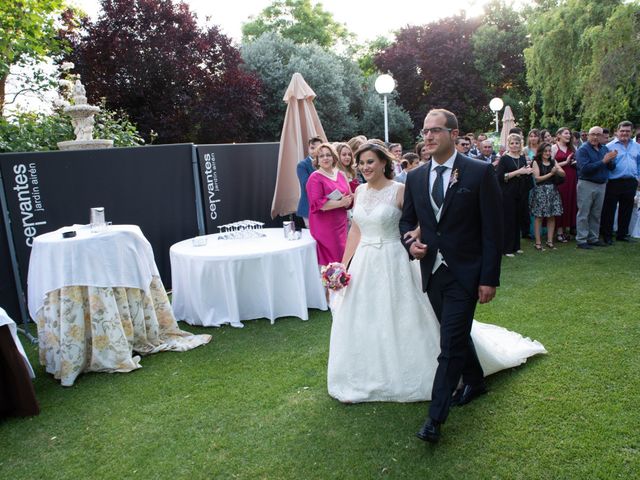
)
(496, 104)
(385, 84)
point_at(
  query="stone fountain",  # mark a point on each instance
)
(81, 115)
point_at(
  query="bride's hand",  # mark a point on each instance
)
(411, 236)
(418, 250)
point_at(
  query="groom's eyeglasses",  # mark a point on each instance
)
(434, 130)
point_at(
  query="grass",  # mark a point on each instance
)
(253, 403)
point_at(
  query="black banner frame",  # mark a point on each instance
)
(22, 301)
(180, 158)
(248, 169)
(226, 169)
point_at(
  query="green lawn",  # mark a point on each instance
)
(253, 403)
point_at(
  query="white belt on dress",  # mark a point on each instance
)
(377, 241)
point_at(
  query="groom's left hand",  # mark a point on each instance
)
(486, 293)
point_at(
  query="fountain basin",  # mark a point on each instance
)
(85, 144)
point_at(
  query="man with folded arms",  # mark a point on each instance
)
(594, 161)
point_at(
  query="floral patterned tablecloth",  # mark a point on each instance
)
(98, 329)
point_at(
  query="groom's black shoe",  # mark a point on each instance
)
(467, 393)
(430, 431)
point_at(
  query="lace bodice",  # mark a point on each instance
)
(376, 212)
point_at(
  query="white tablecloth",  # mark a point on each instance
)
(227, 281)
(97, 298)
(120, 256)
(6, 320)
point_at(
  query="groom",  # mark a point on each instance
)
(458, 204)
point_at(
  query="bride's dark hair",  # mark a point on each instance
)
(381, 152)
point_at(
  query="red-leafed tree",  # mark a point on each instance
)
(151, 59)
(433, 66)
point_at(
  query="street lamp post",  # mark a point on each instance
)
(384, 86)
(496, 105)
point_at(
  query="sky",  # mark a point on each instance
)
(368, 19)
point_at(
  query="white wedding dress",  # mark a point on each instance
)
(385, 338)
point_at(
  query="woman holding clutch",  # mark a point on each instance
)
(329, 198)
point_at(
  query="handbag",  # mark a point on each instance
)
(558, 180)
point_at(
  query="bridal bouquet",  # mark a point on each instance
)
(335, 276)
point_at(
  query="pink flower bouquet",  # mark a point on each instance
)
(335, 276)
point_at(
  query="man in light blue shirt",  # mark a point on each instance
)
(622, 185)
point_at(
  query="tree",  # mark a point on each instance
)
(612, 83)
(372, 118)
(299, 21)
(561, 56)
(27, 34)
(275, 60)
(433, 66)
(338, 83)
(498, 46)
(366, 54)
(150, 59)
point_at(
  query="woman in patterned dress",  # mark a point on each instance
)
(545, 200)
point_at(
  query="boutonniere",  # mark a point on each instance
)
(453, 179)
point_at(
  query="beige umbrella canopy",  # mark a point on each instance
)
(301, 122)
(508, 122)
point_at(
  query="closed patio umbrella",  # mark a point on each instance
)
(301, 122)
(508, 122)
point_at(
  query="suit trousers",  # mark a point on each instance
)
(454, 308)
(590, 200)
(620, 193)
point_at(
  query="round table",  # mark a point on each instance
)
(227, 281)
(97, 298)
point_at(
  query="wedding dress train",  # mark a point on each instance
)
(385, 337)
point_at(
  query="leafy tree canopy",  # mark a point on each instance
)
(151, 59)
(27, 34)
(498, 53)
(365, 54)
(434, 68)
(344, 106)
(299, 21)
(561, 56)
(612, 82)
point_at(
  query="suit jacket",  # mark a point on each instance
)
(470, 231)
(304, 169)
(489, 159)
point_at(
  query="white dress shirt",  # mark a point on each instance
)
(446, 176)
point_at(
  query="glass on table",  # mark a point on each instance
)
(199, 241)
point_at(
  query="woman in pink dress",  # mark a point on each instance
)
(564, 154)
(329, 198)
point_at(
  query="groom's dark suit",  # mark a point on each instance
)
(469, 236)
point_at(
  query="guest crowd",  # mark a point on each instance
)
(582, 186)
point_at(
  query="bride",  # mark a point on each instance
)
(385, 337)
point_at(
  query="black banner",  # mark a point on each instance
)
(238, 182)
(151, 186)
(8, 292)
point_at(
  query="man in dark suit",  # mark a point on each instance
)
(486, 152)
(304, 169)
(457, 203)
